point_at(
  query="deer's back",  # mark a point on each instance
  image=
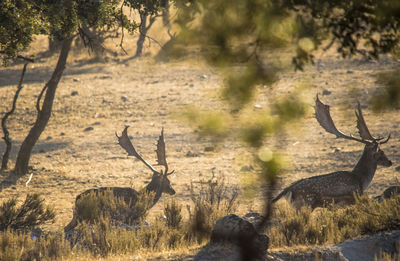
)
(315, 191)
(129, 195)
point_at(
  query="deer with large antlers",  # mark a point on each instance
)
(126, 201)
(341, 186)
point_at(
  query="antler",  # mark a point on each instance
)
(362, 126)
(126, 144)
(161, 155)
(325, 120)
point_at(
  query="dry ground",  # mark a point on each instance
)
(149, 95)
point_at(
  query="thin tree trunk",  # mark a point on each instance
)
(4, 162)
(142, 35)
(24, 154)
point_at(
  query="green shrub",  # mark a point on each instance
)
(172, 213)
(31, 213)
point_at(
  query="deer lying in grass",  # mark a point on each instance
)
(124, 205)
(341, 186)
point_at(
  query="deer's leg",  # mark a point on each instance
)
(72, 224)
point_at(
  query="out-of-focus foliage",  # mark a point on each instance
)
(388, 97)
(358, 26)
(242, 38)
(146, 6)
(21, 19)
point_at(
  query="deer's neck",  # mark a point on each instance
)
(155, 192)
(366, 167)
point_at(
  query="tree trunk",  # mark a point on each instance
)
(165, 15)
(24, 154)
(142, 34)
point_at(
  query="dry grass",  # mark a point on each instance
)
(100, 237)
(14, 246)
(333, 225)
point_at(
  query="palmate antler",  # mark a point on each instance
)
(161, 156)
(126, 144)
(325, 120)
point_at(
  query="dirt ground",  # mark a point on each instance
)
(78, 149)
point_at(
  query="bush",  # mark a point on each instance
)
(27, 216)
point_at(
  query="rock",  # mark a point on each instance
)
(391, 192)
(49, 156)
(203, 77)
(190, 154)
(62, 134)
(36, 234)
(191, 85)
(239, 232)
(326, 92)
(124, 98)
(397, 168)
(257, 106)
(209, 148)
(90, 128)
(349, 72)
(246, 168)
(74, 93)
(254, 218)
(388, 193)
(76, 79)
(234, 238)
(96, 123)
(49, 138)
(365, 248)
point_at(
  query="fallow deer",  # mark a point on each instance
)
(126, 199)
(341, 186)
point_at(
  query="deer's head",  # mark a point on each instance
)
(380, 156)
(159, 182)
(372, 144)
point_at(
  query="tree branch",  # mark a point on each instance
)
(39, 98)
(122, 28)
(26, 59)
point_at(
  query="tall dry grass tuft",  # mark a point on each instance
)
(213, 201)
(333, 225)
